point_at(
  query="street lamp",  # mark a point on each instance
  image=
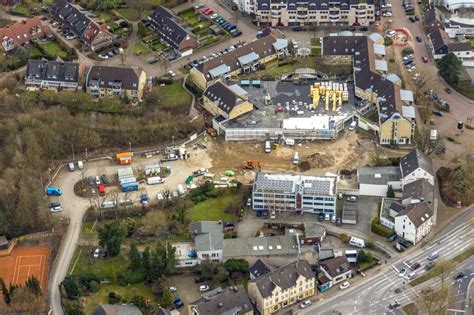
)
(129, 147)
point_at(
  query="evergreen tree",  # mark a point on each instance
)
(134, 256)
(166, 298)
(390, 192)
(33, 284)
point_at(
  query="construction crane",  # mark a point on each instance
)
(251, 165)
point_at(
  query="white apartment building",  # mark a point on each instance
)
(282, 287)
(414, 222)
(416, 165)
(294, 192)
(310, 12)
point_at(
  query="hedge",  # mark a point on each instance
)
(379, 229)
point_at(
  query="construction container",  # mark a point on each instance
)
(124, 158)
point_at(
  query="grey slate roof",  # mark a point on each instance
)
(336, 266)
(52, 71)
(430, 17)
(419, 189)
(437, 39)
(378, 175)
(224, 97)
(108, 309)
(228, 301)
(418, 213)
(259, 268)
(284, 277)
(166, 24)
(416, 159)
(128, 78)
(455, 47)
(208, 235)
(325, 254)
(68, 14)
(260, 246)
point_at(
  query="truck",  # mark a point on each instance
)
(200, 172)
(129, 186)
(155, 180)
(169, 157)
(124, 158)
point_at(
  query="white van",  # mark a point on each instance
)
(353, 125)
(268, 147)
(357, 242)
(71, 167)
(433, 256)
(296, 158)
(80, 165)
(391, 33)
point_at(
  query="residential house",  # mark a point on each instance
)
(208, 239)
(371, 83)
(414, 222)
(333, 271)
(276, 249)
(375, 181)
(420, 190)
(309, 13)
(314, 233)
(22, 33)
(441, 45)
(231, 300)
(389, 209)
(244, 59)
(430, 22)
(259, 268)
(172, 31)
(115, 309)
(282, 287)
(294, 192)
(93, 34)
(416, 165)
(226, 101)
(105, 81)
(44, 74)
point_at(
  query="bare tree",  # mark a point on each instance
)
(424, 142)
(435, 302)
(442, 269)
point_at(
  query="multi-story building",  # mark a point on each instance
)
(208, 237)
(229, 301)
(44, 74)
(244, 59)
(171, 31)
(103, 81)
(226, 101)
(309, 12)
(459, 26)
(375, 181)
(441, 45)
(416, 165)
(371, 84)
(294, 192)
(23, 32)
(282, 287)
(72, 16)
(414, 222)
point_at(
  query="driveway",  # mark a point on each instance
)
(186, 289)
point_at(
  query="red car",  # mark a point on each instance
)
(425, 59)
(415, 266)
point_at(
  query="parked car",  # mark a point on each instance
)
(321, 217)
(214, 16)
(199, 5)
(105, 179)
(460, 275)
(402, 272)
(172, 289)
(305, 304)
(344, 285)
(405, 243)
(448, 90)
(387, 14)
(415, 266)
(351, 198)
(97, 180)
(410, 276)
(55, 207)
(71, 167)
(69, 36)
(90, 180)
(203, 288)
(394, 304)
(417, 17)
(430, 265)
(438, 113)
(96, 253)
(199, 279)
(425, 59)
(338, 222)
(103, 56)
(418, 39)
(171, 73)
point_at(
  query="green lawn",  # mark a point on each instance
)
(315, 41)
(173, 96)
(107, 268)
(105, 17)
(126, 292)
(34, 52)
(189, 16)
(132, 14)
(213, 209)
(22, 9)
(140, 49)
(53, 49)
(315, 51)
(157, 46)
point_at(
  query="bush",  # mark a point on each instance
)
(134, 276)
(390, 192)
(344, 238)
(379, 229)
(94, 286)
(114, 298)
(364, 257)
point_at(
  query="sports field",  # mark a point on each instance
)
(24, 262)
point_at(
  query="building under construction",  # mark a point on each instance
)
(292, 109)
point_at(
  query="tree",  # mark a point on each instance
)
(73, 291)
(364, 257)
(435, 302)
(424, 142)
(134, 256)
(166, 298)
(33, 284)
(442, 269)
(131, 226)
(390, 192)
(206, 269)
(220, 273)
(146, 260)
(181, 214)
(111, 236)
(450, 68)
(163, 261)
(236, 265)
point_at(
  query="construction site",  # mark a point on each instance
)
(309, 109)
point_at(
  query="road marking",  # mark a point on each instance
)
(452, 310)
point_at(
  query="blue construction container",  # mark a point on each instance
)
(244, 82)
(129, 186)
(256, 83)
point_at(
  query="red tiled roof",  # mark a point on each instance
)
(24, 31)
(93, 30)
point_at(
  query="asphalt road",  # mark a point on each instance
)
(460, 105)
(459, 301)
(373, 295)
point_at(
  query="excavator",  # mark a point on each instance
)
(251, 165)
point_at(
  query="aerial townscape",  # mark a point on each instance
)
(237, 157)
